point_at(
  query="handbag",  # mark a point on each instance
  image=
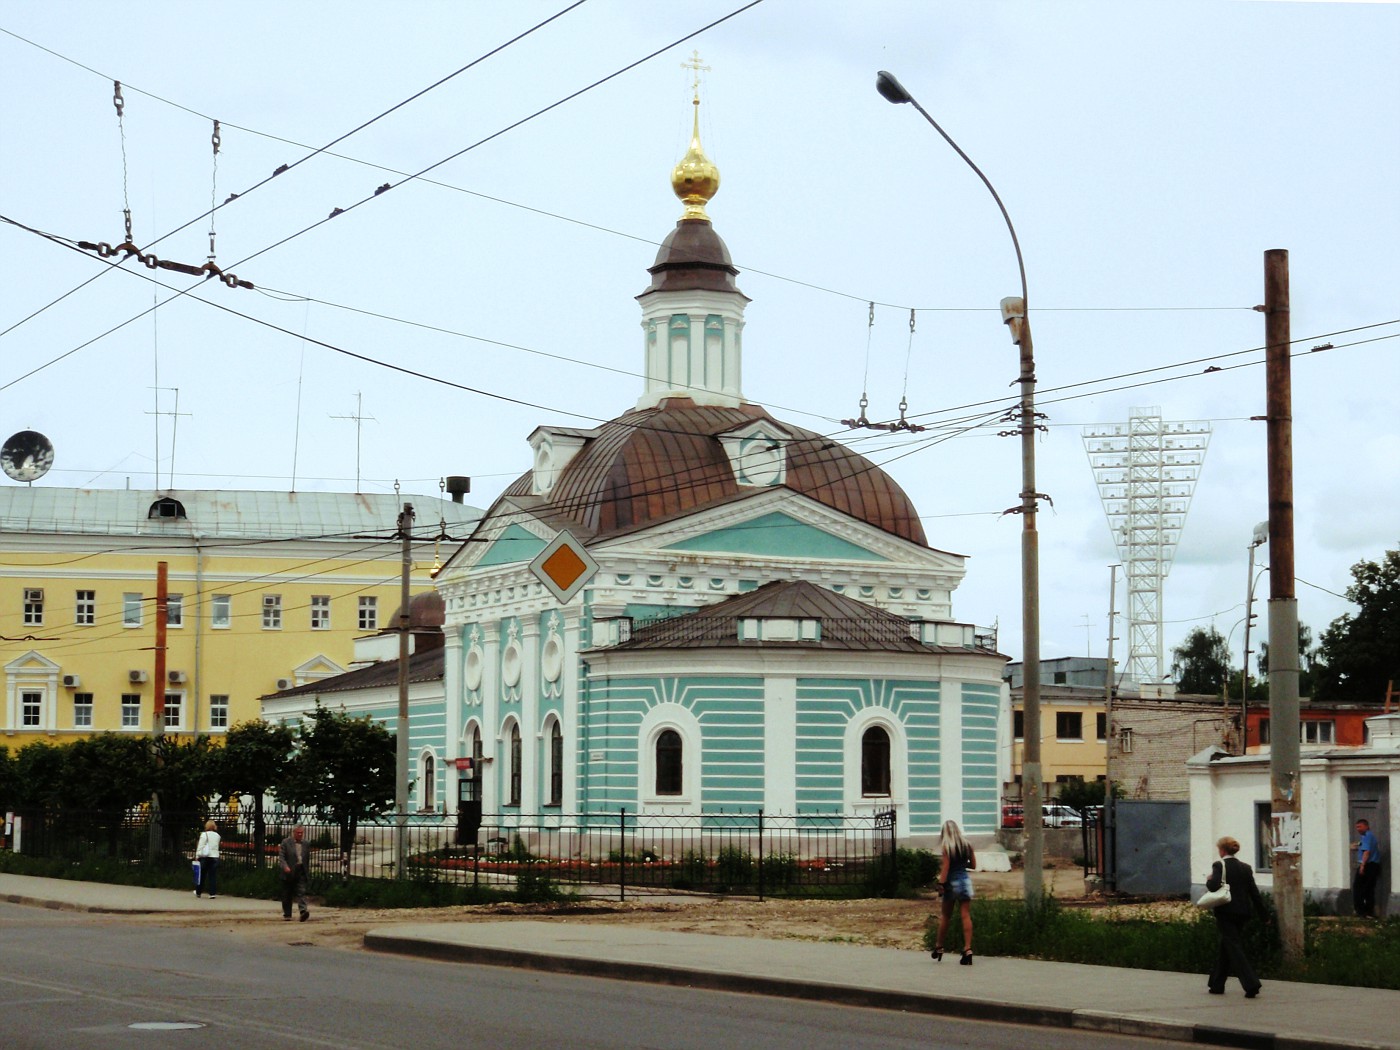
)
(1213, 899)
(194, 869)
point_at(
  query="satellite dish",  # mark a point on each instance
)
(27, 456)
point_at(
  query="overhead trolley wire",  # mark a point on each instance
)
(405, 176)
(283, 169)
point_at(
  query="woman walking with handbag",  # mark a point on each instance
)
(958, 859)
(1230, 918)
(206, 855)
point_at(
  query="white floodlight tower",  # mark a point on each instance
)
(1146, 473)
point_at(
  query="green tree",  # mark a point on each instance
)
(1359, 654)
(1081, 795)
(184, 779)
(254, 761)
(9, 780)
(40, 771)
(1201, 663)
(343, 770)
(105, 776)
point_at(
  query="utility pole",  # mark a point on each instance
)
(1013, 313)
(401, 732)
(1109, 862)
(1284, 761)
(158, 696)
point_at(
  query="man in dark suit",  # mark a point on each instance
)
(291, 858)
(1230, 919)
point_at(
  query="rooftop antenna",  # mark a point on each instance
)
(359, 417)
(174, 415)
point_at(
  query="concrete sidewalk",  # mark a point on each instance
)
(1065, 995)
(1132, 1002)
(68, 895)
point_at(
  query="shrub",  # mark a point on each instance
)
(692, 870)
(733, 868)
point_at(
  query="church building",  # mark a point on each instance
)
(742, 614)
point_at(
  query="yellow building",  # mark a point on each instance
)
(266, 591)
(1073, 722)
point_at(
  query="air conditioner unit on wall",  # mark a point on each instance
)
(177, 677)
(34, 594)
(137, 677)
(284, 683)
(71, 681)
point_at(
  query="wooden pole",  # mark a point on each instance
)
(1284, 759)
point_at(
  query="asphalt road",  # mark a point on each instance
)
(71, 980)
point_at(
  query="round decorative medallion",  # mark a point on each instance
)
(472, 672)
(552, 660)
(510, 666)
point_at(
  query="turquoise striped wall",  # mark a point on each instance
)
(730, 713)
(981, 790)
(825, 706)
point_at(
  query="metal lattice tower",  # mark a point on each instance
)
(1146, 473)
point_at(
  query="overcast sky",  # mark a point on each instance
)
(1148, 153)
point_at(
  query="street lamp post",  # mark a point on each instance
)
(1261, 537)
(1015, 316)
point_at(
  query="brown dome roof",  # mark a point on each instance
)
(426, 611)
(692, 256)
(656, 463)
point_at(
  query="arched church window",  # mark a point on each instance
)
(515, 761)
(556, 764)
(875, 762)
(668, 763)
(429, 782)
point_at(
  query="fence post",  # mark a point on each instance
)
(760, 853)
(622, 854)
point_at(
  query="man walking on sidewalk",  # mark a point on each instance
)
(1368, 870)
(291, 857)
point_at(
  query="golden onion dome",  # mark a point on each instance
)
(695, 179)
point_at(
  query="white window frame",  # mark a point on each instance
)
(175, 702)
(221, 612)
(82, 710)
(427, 781)
(271, 612)
(320, 612)
(31, 700)
(682, 720)
(218, 710)
(175, 610)
(132, 610)
(131, 711)
(34, 606)
(368, 613)
(1317, 731)
(858, 803)
(85, 608)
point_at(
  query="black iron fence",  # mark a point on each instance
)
(600, 854)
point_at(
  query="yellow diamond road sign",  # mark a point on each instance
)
(564, 567)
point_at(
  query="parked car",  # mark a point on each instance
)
(1013, 817)
(1055, 815)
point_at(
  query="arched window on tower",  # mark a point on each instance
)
(669, 763)
(515, 760)
(166, 507)
(556, 765)
(875, 762)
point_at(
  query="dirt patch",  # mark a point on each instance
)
(877, 922)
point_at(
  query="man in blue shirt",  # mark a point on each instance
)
(1368, 870)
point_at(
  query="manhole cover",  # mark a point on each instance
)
(165, 1026)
